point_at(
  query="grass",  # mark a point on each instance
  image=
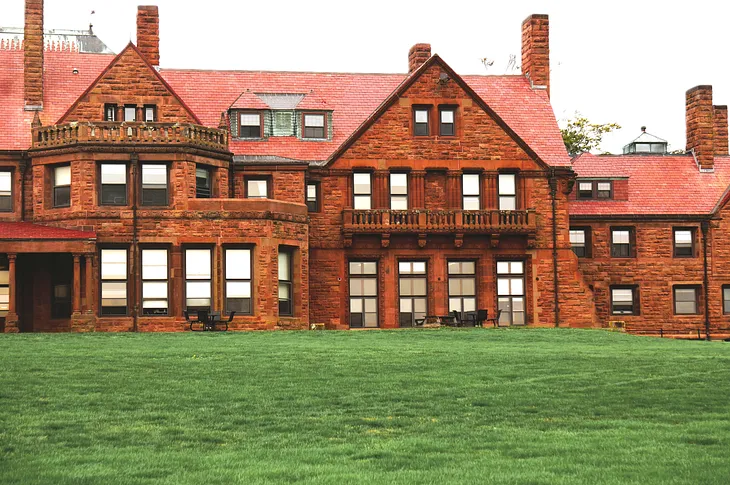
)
(530, 406)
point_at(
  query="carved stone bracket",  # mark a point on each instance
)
(531, 241)
(494, 241)
(348, 240)
(458, 240)
(385, 240)
(421, 240)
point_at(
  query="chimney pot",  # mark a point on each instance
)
(417, 55)
(536, 50)
(148, 33)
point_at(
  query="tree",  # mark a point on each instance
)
(580, 135)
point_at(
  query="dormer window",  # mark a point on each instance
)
(595, 189)
(420, 121)
(314, 125)
(447, 126)
(251, 125)
(130, 112)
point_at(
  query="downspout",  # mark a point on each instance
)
(134, 158)
(23, 170)
(553, 194)
(705, 229)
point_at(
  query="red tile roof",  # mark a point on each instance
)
(27, 230)
(658, 184)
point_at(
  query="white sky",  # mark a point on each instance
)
(621, 61)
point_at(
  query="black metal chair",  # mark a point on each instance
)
(457, 318)
(494, 320)
(480, 317)
(230, 319)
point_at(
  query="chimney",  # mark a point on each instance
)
(720, 132)
(148, 33)
(700, 126)
(536, 50)
(418, 54)
(33, 55)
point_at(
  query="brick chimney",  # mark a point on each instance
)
(720, 132)
(536, 50)
(418, 54)
(33, 55)
(700, 126)
(148, 33)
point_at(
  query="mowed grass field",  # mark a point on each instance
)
(527, 406)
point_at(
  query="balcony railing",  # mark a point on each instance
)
(380, 221)
(87, 133)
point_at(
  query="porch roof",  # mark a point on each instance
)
(15, 231)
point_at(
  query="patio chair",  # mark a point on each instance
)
(230, 319)
(495, 320)
(480, 317)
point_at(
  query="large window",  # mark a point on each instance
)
(113, 282)
(154, 184)
(113, 184)
(420, 121)
(580, 241)
(4, 285)
(399, 191)
(685, 300)
(285, 283)
(624, 300)
(470, 192)
(622, 242)
(314, 126)
(462, 287)
(250, 125)
(363, 294)
(62, 186)
(202, 182)
(197, 279)
(238, 281)
(507, 192)
(312, 197)
(446, 122)
(154, 282)
(684, 242)
(257, 188)
(6, 191)
(362, 190)
(413, 291)
(511, 292)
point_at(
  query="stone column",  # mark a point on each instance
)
(11, 320)
(380, 190)
(77, 285)
(89, 258)
(418, 189)
(178, 279)
(453, 191)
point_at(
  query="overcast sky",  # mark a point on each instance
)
(628, 62)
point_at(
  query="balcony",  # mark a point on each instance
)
(249, 209)
(129, 133)
(423, 222)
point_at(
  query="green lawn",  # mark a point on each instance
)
(529, 406)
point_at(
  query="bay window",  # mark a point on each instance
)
(113, 282)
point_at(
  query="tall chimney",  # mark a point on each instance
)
(700, 126)
(33, 56)
(148, 33)
(720, 132)
(417, 55)
(536, 50)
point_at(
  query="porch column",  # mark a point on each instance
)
(177, 304)
(89, 283)
(11, 320)
(77, 285)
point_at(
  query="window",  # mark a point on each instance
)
(238, 281)
(399, 191)
(685, 300)
(285, 283)
(624, 300)
(507, 192)
(684, 242)
(113, 184)
(4, 285)
(470, 192)
(446, 122)
(61, 300)
(150, 113)
(202, 182)
(622, 242)
(197, 279)
(312, 197)
(62, 186)
(314, 126)
(511, 292)
(154, 282)
(462, 286)
(250, 125)
(412, 289)
(580, 241)
(113, 282)
(362, 190)
(6, 191)
(257, 188)
(130, 112)
(154, 184)
(595, 189)
(363, 294)
(110, 112)
(420, 122)
(725, 299)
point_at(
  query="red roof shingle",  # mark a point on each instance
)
(27, 230)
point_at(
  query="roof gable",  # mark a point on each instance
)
(140, 80)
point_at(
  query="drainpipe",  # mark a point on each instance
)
(705, 229)
(23, 168)
(134, 159)
(553, 195)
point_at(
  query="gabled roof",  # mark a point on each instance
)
(658, 185)
(27, 230)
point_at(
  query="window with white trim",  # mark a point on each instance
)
(420, 122)
(238, 281)
(314, 126)
(113, 282)
(446, 122)
(470, 192)
(399, 191)
(257, 188)
(250, 125)
(624, 300)
(113, 184)
(412, 292)
(507, 192)
(511, 292)
(6, 191)
(285, 283)
(130, 113)
(363, 294)
(154, 184)
(362, 190)
(686, 300)
(154, 282)
(62, 186)
(198, 279)
(462, 287)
